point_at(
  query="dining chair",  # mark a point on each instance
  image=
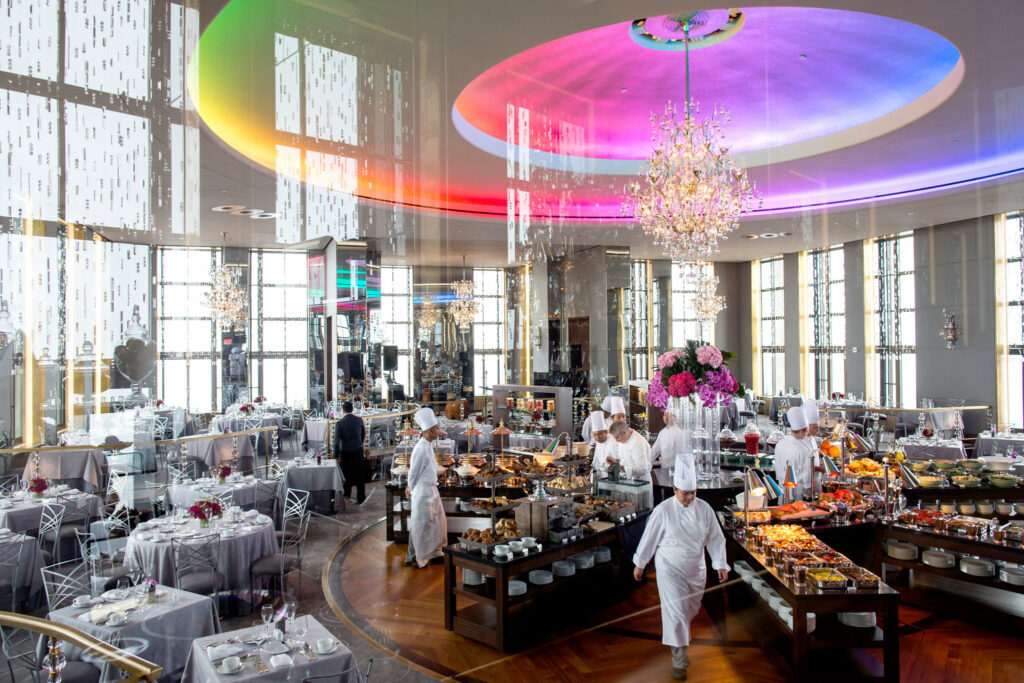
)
(96, 558)
(182, 473)
(65, 581)
(52, 530)
(249, 424)
(115, 489)
(160, 425)
(195, 566)
(295, 502)
(288, 558)
(361, 677)
(225, 498)
(156, 497)
(10, 559)
(266, 493)
(9, 482)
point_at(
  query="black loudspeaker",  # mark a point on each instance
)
(390, 354)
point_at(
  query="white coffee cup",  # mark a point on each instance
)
(116, 619)
(82, 601)
(231, 664)
(501, 550)
(515, 546)
(529, 541)
(325, 644)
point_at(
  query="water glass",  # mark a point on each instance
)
(267, 614)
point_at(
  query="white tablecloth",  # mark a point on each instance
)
(236, 554)
(161, 633)
(25, 513)
(200, 670)
(475, 443)
(81, 469)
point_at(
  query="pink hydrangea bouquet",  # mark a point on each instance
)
(699, 369)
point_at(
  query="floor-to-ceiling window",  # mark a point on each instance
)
(189, 357)
(772, 325)
(827, 320)
(489, 329)
(1010, 297)
(638, 359)
(396, 318)
(279, 365)
(895, 335)
(685, 325)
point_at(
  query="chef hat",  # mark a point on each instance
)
(597, 421)
(797, 417)
(425, 418)
(685, 476)
(811, 412)
(606, 404)
(617, 406)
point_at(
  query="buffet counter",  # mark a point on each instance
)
(397, 508)
(488, 596)
(810, 619)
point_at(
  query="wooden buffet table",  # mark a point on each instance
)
(830, 633)
(488, 618)
(396, 495)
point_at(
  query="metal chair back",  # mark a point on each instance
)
(51, 519)
(226, 498)
(181, 473)
(295, 503)
(116, 486)
(195, 555)
(64, 582)
(10, 559)
(9, 482)
(266, 492)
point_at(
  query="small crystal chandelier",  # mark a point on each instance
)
(694, 192)
(463, 309)
(429, 315)
(227, 297)
(707, 302)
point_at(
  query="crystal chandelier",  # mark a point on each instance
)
(694, 192)
(429, 315)
(463, 309)
(227, 297)
(707, 302)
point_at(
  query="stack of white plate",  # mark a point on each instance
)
(977, 567)
(902, 551)
(584, 560)
(757, 583)
(857, 619)
(938, 558)
(602, 554)
(541, 577)
(776, 601)
(563, 568)
(516, 587)
(472, 578)
(742, 568)
(1014, 575)
(787, 616)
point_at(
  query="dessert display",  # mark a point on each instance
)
(569, 483)
(536, 470)
(493, 472)
(504, 530)
(491, 503)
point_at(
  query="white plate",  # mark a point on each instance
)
(274, 647)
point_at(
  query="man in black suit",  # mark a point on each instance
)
(348, 448)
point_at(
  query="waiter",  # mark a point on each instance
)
(677, 532)
(604, 447)
(428, 527)
(670, 442)
(349, 436)
(633, 454)
(793, 450)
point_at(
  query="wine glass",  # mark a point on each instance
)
(267, 614)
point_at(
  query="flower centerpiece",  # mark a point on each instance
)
(247, 408)
(222, 472)
(260, 399)
(205, 510)
(479, 419)
(159, 402)
(696, 371)
(837, 395)
(37, 486)
(927, 432)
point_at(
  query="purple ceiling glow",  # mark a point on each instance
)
(798, 82)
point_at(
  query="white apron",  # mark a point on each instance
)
(671, 442)
(677, 536)
(635, 458)
(428, 526)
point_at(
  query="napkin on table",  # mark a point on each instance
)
(223, 650)
(280, 661)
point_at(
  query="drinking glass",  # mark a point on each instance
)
(299, 627)
(267, 614)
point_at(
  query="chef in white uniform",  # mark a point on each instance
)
(793, 450)
(677, 533)
(428, 527)
(604, 445)
(633, 454)
(617, 408)
(587, 431)
(670, 442)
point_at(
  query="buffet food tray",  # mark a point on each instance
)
(827, 580)
(861, 578)
(568, 462)
(489, 511)
(493, 480)
(485, 548)
(566, 492)
(610, 514)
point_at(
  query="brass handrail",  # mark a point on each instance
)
(119, 446)
(138, 669)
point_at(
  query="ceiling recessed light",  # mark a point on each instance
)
(785, 234)
(228, 207)
(263, 216)
(750, 237)
(769, 235)
(246, 212)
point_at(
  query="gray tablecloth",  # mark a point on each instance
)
(475, 443)
(314, 431)
(987, 445)
(773, 406)
(326, 477)
(529, 440)
(212, 452)
(934, 451)
(235, 423)
(200, 669)
(82, 469)
(236, 555)
(243, 493)
(24, 515)
(161, 633)
(940, 420)
(26, 574)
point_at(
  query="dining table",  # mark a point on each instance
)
(210, 452)
(161, 631)
(221, 424)
(932, 449)
(321, 480)
(1002, 443)
(241, 488)
(314, 431)
(283, 657)
(251, 537)
(783, 402)
(82, 468)
(24, 577)
(22, 511)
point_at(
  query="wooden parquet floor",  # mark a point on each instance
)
(401, 609)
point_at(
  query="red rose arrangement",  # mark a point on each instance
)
(159, 402)
(927, 432)
(38, 485)
(247, 408)
(205, 510)
(222, 471)
(260, 399)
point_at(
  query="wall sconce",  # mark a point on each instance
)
(948, 330)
